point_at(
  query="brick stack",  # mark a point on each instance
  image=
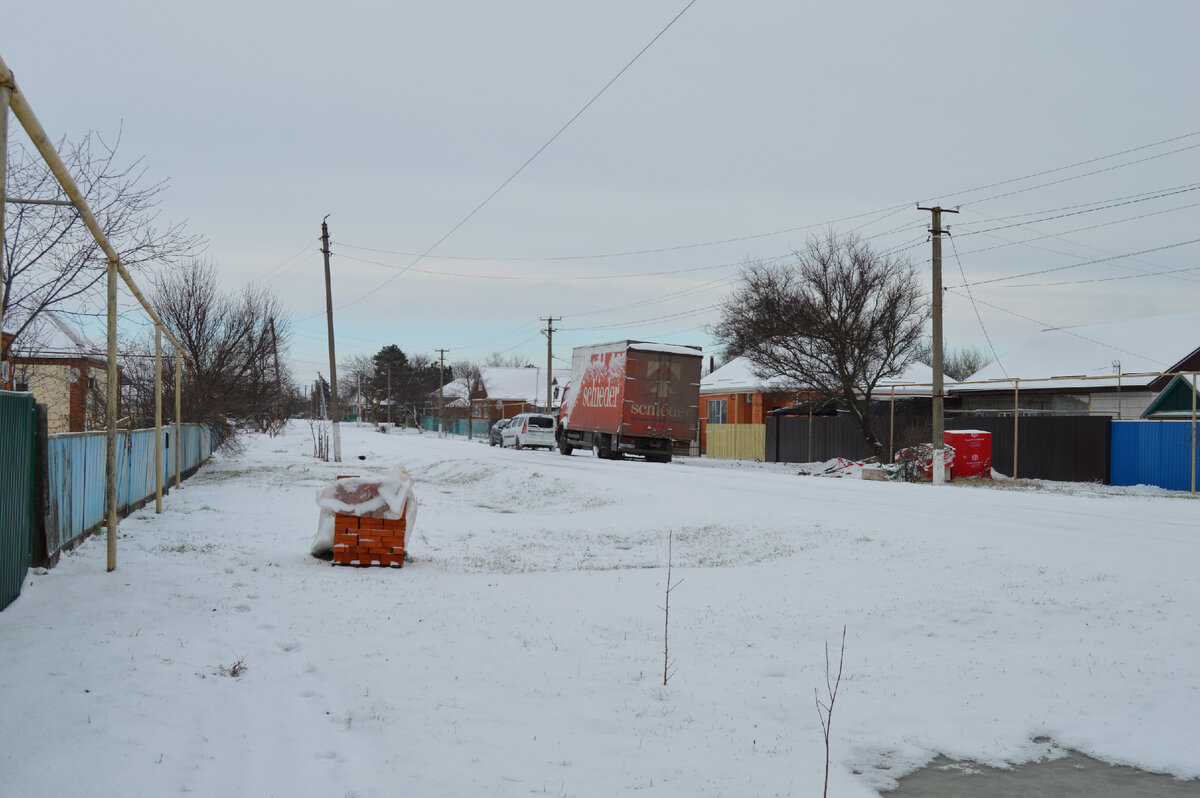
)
(367, 538)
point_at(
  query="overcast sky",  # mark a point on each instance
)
(753, 124)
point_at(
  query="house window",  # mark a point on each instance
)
(718, 411)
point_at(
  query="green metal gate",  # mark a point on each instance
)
(18, 428)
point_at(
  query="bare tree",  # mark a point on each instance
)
(51, 260)
(357, 372)
(957, 364)
(509, 361)
(235, 341)
(834, 321)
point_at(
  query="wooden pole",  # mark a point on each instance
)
(892, 426)
(110, 428)
(5, 95)
(1016, 423)
(1193, 433)
(158, 430)
(939, 418)
(335, 410)
(810, 401)
(178, 417)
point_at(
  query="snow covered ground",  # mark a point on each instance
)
(520, 651)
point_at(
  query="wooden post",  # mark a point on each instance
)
(5, 94)
(892, 426)
(158, 431)
(1016, 423)
(110, 427)
(178, 419)
(810, 401)
(1193, 432)
(335, 410)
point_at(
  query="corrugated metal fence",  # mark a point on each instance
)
(1063, 448)
(18, 428)
(1154, 453)
(736, 441)
(75, 476)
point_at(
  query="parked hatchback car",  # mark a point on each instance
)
(529, 430)
(494, 438)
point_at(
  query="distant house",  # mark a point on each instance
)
(501, 392)
(1102, 369)
(5, 366)
(1178, 401)
(732, 394)
(64, 371)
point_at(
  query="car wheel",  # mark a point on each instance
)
(517, 444)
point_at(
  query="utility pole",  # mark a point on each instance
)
(278, 379)
(333, 395)
(389, 395)
(441, 391)
(549, 331)
(5, 96)
(939, 416)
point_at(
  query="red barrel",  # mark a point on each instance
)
(972, 453)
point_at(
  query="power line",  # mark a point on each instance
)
(1062, 237)
(1097, 159)
(886, 213)
(528, 161)
(543, 277)
(978, 317)
(1154, 194)
(1066, 330)
(1084, 263)
(1183, 190)
(1113, 278)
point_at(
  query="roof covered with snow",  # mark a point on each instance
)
(1147, 345)
(737, 376)
(507, 384)
(52, 335)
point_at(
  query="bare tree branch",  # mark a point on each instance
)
(834, 321)
(51, 260)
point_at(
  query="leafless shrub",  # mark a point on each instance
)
(235, 670)
(825, 708)
(668, 663)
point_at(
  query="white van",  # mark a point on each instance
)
(529, 430)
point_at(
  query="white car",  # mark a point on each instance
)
(529, 430)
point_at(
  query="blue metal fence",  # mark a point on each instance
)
(458, 426)
(1154, 453)
(75, 478)
(18, 425)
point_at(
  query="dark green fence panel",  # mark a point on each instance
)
(18, 427)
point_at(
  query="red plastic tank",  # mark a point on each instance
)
(972, 453)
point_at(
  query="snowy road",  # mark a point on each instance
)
(520, 651)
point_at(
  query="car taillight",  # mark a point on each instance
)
(524, 428)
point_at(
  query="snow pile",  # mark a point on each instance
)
(837, 468)
(389, 497)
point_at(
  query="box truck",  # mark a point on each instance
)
(631, 397)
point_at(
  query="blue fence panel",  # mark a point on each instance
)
(76, 495)
(1153, 453)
